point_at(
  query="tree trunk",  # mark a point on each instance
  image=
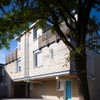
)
(81, 67)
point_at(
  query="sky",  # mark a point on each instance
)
(13, 43)
(4, 51)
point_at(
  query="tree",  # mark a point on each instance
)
(23, 12)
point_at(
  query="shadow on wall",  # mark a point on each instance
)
(14, 89)
(8, 89)
(3, 82)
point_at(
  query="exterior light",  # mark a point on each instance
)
(57, 77)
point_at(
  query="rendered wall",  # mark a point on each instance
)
(47, 90)
(57, 64)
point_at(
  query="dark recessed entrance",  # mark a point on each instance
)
(19, 90)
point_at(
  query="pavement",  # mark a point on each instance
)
(23, 99)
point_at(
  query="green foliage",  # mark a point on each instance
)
(23, 12)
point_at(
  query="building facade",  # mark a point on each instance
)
(40, 67)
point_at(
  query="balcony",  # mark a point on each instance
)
(11, 65)
(11, 57)
(47, 38)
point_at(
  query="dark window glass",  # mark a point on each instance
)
(51, 53)
(35, 59)
(46, 28)
(34, 32)
(19, 68)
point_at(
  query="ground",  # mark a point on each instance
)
(23, 99)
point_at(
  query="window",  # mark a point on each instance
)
(38, 32)
(19, 46)
(37, 59)
(58, 84)
(47, 26)
(51, 53)
(18, 67)
(34, 32)
(19, 43)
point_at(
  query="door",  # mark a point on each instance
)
(19, 90)
(68, 90)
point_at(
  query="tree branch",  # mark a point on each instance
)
(65, 9)
(66, 21)
(60, 33)
(57, 28)
(2, 9)
(62, 36)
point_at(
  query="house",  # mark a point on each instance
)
(39, 67)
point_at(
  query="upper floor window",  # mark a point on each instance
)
(18, 67)
(37, 59)
(34, 32)
(19, 43)
(38, 32)
(46, 27)
(51, 53)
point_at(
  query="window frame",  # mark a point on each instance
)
(34, 33)
(35, 64)
(18, 67)
(51, 53)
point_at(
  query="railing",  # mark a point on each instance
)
(11, 57)
(47, 38)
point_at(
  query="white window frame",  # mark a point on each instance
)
(36, 53)
(18, 67)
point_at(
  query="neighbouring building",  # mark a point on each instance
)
(3, 82)
(39, 67)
